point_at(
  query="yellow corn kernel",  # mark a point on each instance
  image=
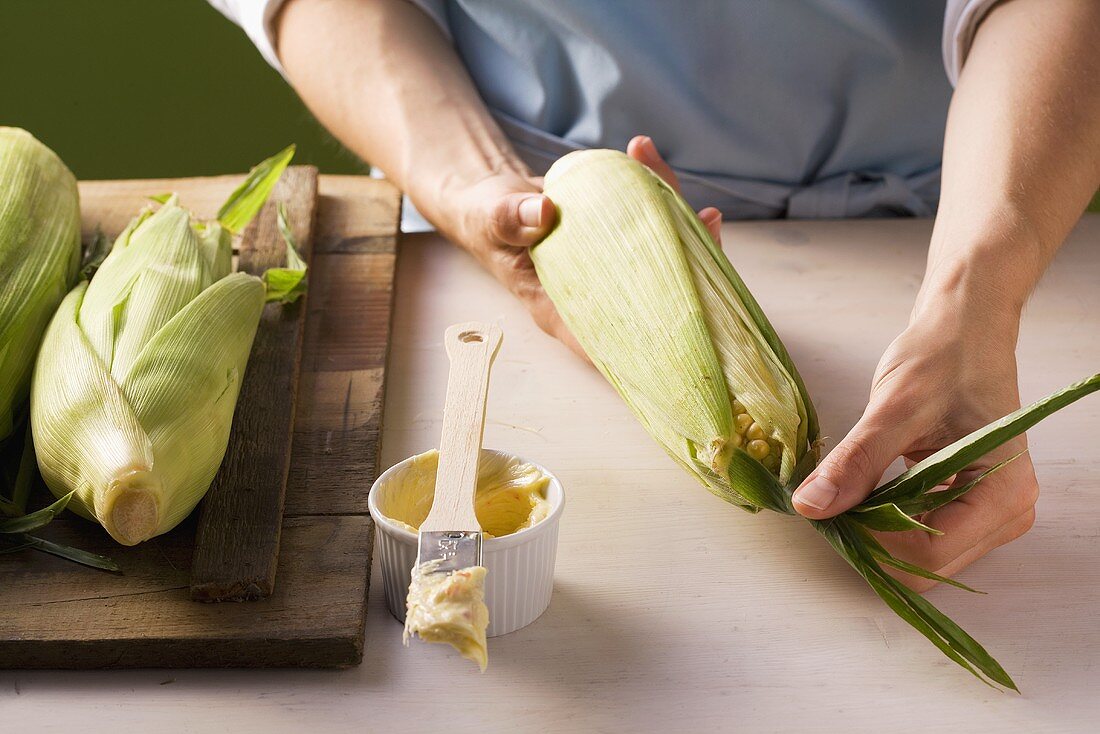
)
(758, 449)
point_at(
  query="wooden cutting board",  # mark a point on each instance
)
(55, 614)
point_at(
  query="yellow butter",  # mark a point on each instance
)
(449, 608)
(511, 494)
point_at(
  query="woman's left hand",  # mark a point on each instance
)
(953, 370)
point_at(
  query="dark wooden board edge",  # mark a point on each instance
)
(248, 642)
(237, 542)
(149, 652)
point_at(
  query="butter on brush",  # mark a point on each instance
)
(449, 608)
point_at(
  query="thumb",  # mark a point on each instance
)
(851, 470)
(521, 219)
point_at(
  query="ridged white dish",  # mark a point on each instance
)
(520, 566)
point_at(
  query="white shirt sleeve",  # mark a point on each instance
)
(256, 18)
(960, 21)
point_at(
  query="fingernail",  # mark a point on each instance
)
(818, 494)
(530, 211)
(650, 146)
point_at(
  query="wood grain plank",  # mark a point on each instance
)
(145, 618)
(337, 432)
(110, 205)
(237, 544)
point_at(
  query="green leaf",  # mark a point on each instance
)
(934, 500)
(890, 518)
(891, 592)
(35, 520)
(720, 487)
(935, 469)
(756, 484)
(850, 541)
(959, 640)
(84, 558)
(286, 285)
(910, 568)
(883, 556)
(247, 200)
(96, 253)
(294, 261)
(161, 198)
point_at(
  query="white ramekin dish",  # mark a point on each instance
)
(520, 566)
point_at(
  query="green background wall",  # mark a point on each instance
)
(149, 88)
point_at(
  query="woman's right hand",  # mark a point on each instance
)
(503, 215)
(497, 220)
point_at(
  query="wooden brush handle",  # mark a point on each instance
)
(472, 347)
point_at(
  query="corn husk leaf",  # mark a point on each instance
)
(247, 200)
(890, 518)
(854, 544)
(883, 556)
(934, 500)
(286, 285)
(36, 519)
(15, 528)
(162, 426)
(85, 558)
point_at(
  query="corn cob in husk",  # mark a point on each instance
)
(137, 380)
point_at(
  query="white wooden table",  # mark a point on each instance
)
(673, 611)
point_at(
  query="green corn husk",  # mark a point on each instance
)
(663, 315)
(39, 257)
(137, 380)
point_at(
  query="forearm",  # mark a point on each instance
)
(381, 76)
(1021, 154)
